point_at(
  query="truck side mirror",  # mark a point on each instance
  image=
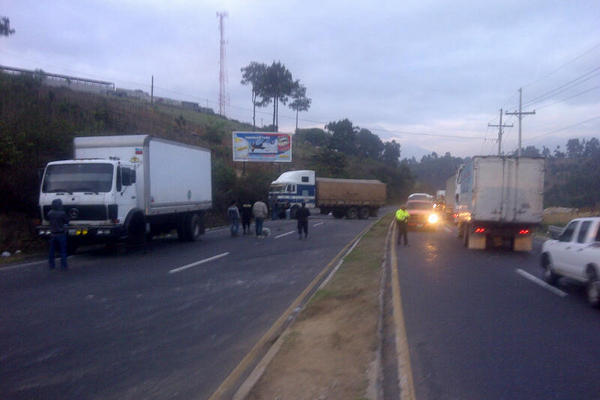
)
(119, 181)
(126, 173)
(132, 176)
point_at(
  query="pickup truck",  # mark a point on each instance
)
(575, 254)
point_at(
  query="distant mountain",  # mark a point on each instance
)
(408, 150)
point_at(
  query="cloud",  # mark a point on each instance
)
(415, 66)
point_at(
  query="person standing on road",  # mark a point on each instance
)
(402, 221)
(302, 216)
(234, 216)
(260, 212)
(246, 216)
(58, 233)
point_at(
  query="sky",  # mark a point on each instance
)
(429, 74)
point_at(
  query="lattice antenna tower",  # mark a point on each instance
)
(222, 71)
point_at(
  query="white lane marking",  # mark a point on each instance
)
(317, 224)
(284, 234)
(174, 270)
(29, 264)
(22, 265)
(540, 282)
(447, 229)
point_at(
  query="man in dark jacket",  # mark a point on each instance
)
(58, 233)
(302, 215)
(246, 216)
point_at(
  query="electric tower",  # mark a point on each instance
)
(222, 72)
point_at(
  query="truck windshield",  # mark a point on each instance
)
(277, 188)
(78, 178)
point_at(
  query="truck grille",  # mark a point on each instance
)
(85, 212)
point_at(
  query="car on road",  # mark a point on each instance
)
(423, 214)
(420, 197)
(575, 254)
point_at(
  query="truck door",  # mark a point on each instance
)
(561, 249)
(126, 190)
(576, 261)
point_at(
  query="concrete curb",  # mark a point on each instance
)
(254, 364)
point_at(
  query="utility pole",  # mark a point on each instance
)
(222, 74)
(500, 126)
(152, 91)
(520, 114)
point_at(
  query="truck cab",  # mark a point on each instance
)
(292, 188)
(575, 254)
(97, 195)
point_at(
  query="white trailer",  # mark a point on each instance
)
(129, 187)
(499, 199)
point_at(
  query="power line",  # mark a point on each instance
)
(564, 128)
(569, 97)
(580, 79)
(563, 65)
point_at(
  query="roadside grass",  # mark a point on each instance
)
(328, 350)
(562, 219)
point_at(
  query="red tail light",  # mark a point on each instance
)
(524, 232)
(479, 230)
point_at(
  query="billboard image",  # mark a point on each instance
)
(262, 146)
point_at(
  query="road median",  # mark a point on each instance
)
(331, 348)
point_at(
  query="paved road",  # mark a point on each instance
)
(478, 329)
(154, 326)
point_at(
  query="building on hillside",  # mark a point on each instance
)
(57, 80)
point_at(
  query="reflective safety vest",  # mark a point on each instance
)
(402, 215)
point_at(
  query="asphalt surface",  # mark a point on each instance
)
(167, 324)
(478, 329)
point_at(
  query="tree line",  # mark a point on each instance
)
(274, 84)
(571, 178)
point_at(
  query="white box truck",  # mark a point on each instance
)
(499, 199)
(129, 187)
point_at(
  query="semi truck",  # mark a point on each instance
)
(499, 201)
(350, 198)
(128, 188)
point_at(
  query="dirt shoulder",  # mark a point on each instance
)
(327, 352)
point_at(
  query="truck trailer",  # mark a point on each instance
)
(499, 200)
(352, 198)
(129, 187)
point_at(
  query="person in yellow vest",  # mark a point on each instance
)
(402, 221)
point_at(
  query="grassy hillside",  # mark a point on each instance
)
(38, 124)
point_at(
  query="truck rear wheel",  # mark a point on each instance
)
(352, 213)
(364, 213)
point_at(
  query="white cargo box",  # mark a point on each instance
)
(171, 177)
(502, 189)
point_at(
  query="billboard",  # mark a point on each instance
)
(262, 146)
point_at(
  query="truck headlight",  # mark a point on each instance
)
(433, 219)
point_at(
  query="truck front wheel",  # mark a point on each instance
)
(194, 227)
(592, 289)
(136, 230)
